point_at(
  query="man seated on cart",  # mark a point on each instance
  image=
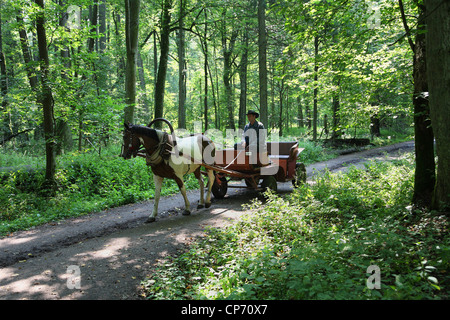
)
(254, 140)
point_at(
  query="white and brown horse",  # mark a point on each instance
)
(170, 159)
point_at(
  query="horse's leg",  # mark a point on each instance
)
(180, 182)
(210, 183)
(199, 177)
(158, 184)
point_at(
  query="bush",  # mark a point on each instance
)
(317, 243)
(86, 183)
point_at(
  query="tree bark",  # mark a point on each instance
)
(181, 70)
(164, 56)
(424, 177)
(243, 81)
(142, 84)
(132, 30)
(316, 70)
(228, 48)
(205, 70)
(4, 75)
(47, 100)
(262, 61)
(438, 75)
(101, 62)
(301, 120)
(27, 57)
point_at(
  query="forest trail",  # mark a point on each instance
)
(112, 251)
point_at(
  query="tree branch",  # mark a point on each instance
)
(405, 25)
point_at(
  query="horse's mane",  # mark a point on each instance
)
(146, 131)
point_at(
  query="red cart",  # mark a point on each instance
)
(282, 166)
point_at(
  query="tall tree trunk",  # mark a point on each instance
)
(3, 74)
(425, 176)
(262, 61)
(101, 62)
(62, 129)
(438, 75)
(243, 81)
(216, 118)
(131, 34)
(93, 16)
(301, 120)
(102, 25)
(181, 69)
(155, 59)
(164, 56)
(205, 70)
(47, 100)
(336, 131)
(121, 63)
(280, 117)
(308, 115)
(27, 57)
(316, 70)
(143, 84)
(228, 89)
(228, 48)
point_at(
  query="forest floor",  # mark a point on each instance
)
(113, 251)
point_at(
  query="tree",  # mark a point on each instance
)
(47, 100)
(243, 81)
(228, 47)
(131, 36)
(3, 74)
(164, 56)
(424, 177)
(438, 72)
(181, 69)
(262, 60)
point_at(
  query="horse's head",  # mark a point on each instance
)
(131, 143)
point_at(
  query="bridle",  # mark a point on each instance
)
(134, 151)
(154, 156)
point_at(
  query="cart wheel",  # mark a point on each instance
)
(300, 175)
(219, 191)
(248, 182)
(269, 182)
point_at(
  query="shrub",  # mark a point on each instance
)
(317, 243)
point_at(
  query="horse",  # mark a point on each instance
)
(171, 159)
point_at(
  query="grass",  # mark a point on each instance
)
(318, 243)
(86, 183)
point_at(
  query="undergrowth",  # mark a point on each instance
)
(317, 243)
(86, 183)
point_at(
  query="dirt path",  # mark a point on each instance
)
(112, 251)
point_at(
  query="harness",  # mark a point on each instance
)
(158, 153)
(162, 150)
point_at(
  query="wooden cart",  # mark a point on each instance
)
(282, 166)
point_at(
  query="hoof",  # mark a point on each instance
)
(200, 206)
(186, 212)
(207, 205)
(150, 220)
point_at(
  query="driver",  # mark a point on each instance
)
(254, 138)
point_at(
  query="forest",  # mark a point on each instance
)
(74, 71)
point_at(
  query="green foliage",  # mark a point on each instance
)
(86, 183)
(317, 243)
